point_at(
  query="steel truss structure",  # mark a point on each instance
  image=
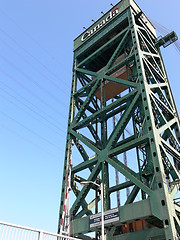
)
(119, 57)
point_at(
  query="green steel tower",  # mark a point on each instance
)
(118, 72)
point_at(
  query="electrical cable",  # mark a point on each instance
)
(34, 40)
(27, 140)
(37, 70)
(28, 129)
(27, 52)
(32, 93)
(31, 110)
(31, 80)
(163, 30)
(26, 100)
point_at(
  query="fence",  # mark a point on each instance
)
(15, 232)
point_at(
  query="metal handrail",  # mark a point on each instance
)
(7, 231)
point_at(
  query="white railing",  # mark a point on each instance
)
(10, 231)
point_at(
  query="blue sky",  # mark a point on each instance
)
(36, 42)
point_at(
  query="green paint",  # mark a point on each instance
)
(120, 59)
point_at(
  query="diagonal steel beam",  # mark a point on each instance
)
(84, 88)
(117, 51)
(86, 141)
(83, 202)
(120, 64)
(87, 101)
(130, 174)
(120, 186)
(121, 81)
(88, 72)
(105, 110)
(83, 193)
(84, 165)
(122, 123)
(132, 195)
(129, 145)
(106, 45)
(81, 102)
(92, 130)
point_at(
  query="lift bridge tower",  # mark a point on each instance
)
(118, 57)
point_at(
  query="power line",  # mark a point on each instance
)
(177, 46)
(165, 31)
(32, 93)
(37, 70)
(39, 109)
(31, 111)
(30, 79)
(34, 40)
(160, 27)
(27, 140)
(28, 129)
(27, 52)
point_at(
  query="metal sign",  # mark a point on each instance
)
(109, 217)
(111, 15)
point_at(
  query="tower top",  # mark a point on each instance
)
(108, 21)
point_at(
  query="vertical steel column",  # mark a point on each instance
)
(118, 57)
(160, 200)
(68, 150)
